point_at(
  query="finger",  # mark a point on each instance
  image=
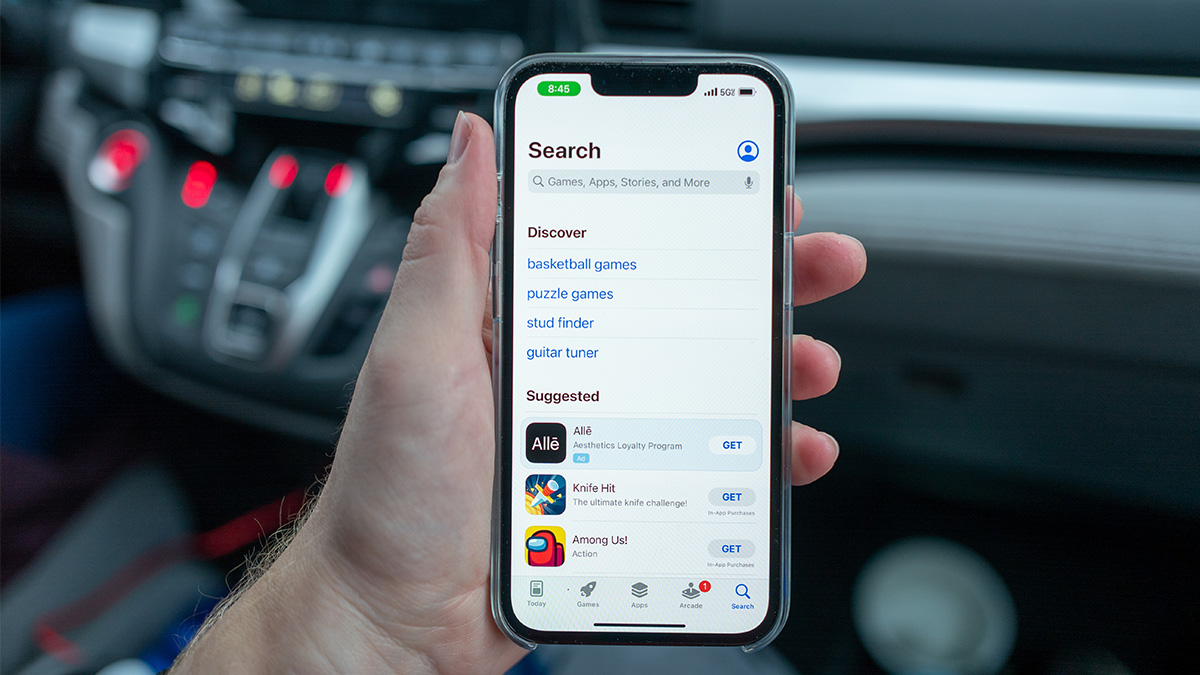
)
(488, 323)
(815, 367)
(445, 269)
(396, 452)
(825, 264)
(813, 453)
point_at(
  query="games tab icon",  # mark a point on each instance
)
(545, 495)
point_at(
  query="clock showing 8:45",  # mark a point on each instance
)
(558, 88)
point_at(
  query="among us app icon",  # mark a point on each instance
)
(545, 495)
(545, 442)
(544, 546)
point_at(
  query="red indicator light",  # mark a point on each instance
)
(117, 159)
(283, 172)
(198, 185)
(338, 180)
(124, 152)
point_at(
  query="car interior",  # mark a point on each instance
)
(204, 203)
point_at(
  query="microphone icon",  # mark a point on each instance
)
(749, 182)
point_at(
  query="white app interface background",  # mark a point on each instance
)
(642, 324)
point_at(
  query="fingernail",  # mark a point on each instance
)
(837, 449)
(848, 236)
(835, 352)
(459, 138)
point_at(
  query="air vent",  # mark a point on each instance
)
(673, 20)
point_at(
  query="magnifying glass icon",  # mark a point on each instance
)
(537, 180)
(742, 590)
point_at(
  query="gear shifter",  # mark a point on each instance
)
(298, 231)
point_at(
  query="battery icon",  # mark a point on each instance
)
(746, 91)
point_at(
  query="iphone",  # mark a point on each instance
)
(642, 306)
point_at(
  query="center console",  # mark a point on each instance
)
(243, 179)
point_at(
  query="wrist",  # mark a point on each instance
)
(299, 617)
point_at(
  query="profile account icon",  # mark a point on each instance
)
(544, 546)
(748, 151)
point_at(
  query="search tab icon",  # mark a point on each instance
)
(742, 590)
(537, 180)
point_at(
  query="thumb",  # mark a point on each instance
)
(441, 286)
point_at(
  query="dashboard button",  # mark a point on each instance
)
(369, 50)
(195, 276)
(186, 309)
(203, 241)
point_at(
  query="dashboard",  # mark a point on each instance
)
(1026, 179)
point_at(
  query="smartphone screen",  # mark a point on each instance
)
(642, 320)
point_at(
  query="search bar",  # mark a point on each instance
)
(633, 181)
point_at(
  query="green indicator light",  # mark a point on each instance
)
(186, 309)
(558, 88)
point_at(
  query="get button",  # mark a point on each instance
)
(731, 548)
(732, 445)
(731, 496)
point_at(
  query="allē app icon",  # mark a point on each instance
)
(545, 442)
(544, 546)
(546, 495)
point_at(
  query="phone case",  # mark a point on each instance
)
(498, 303)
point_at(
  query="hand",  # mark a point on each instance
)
(390, 572)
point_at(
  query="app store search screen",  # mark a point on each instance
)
(642, 357)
